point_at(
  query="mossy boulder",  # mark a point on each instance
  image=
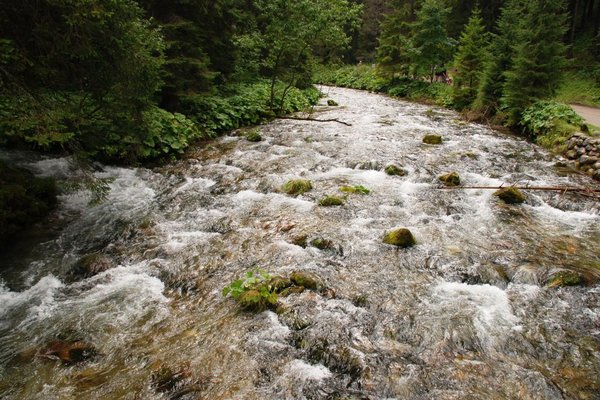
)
(451, 179)
(306, 279)
(360, 189)
(331, 201)
(565, 278)
(432, 139)
(68, 352)
(332, 103)
(322, 244)
(253, 136)
(510, 195)
(394, 170)
(24, 200)
(297, 186)
(399, 237)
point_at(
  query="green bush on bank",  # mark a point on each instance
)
(550, 123)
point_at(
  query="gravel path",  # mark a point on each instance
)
(590, 114)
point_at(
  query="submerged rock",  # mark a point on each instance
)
(510, 195)
(330, 201)
(394, 170)
(451, 179)
(400, 237)
(69, 352)
(90, 265)
(307, 279)
(297, 186)
(432, 139)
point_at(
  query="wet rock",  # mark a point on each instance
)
(297, 186)
(279, 283)
(322, 244)
(400, 237)
(69, 352)
(292, 290)
(332, 103)
(90, 265)
(331, 201)
(253, 136)
(432, 139)
(341, 359)
(307, 279)
(394, 170)
(372, 165)
(565, 278)
(451, 179)
(510, 195)
(301, 241)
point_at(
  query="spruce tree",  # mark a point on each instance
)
(539, 54)
(432, 47)
(469, 61)
(393, 52)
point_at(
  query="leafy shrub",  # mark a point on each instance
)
(550, 123)
(253, 291)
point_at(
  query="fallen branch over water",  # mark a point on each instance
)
(317, 120)
(590, 192)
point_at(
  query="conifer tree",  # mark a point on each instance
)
(469, 61)
(432, 47)
(393, 52)
(539, 55)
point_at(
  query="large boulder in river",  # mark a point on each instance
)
(399, 237)
(510, 195)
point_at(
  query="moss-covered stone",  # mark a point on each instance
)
(510, 195)
(253, 136)
(297, 186)
(451, 179)
(279, 283)
(301, 241)
(394, 170)
(330, 201)
(251, 300)
(322, 244)
(332, 103)
(360, 189)
(565, 278)
(292, 290)
(399, 237)
(307, 279)
(432, 139)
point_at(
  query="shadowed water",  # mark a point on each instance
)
(465, 314)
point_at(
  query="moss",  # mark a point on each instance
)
(399, 237)
(510, 195)
(308, 280)
(252, 300)
(355, 189)
(297, 186)
(300, 241)
(432, 139)
(393, 170)
(322, 244)
(292, 290)
(253, 136)
(332, 103)
(279, 283)
(329, 201)
(451, 179)
(565, 278)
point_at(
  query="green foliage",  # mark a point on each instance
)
(253, 291)
(363, 77)
(253, 136)
(394, 50)
(297, 186)
(579, 88)
(24, 199)
(469, 61)
(550, 123)
(360, 189)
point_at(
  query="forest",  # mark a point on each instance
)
(138, 81)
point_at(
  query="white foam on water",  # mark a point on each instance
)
(301, 371)
(299, 205)
(248, 196)
(53, 167)
(492, 313)
(192, 184)
(572, 218)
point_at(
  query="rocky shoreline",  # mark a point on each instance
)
(585, 152)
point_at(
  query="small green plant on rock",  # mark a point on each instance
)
(355, 189)
(330, 201)
(297, 186)
(254, 291)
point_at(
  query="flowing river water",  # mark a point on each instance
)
(465, 314)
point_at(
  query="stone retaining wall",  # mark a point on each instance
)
(585, 151)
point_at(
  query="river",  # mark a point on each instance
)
(465, 314)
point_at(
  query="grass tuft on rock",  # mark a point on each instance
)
(297, 186)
